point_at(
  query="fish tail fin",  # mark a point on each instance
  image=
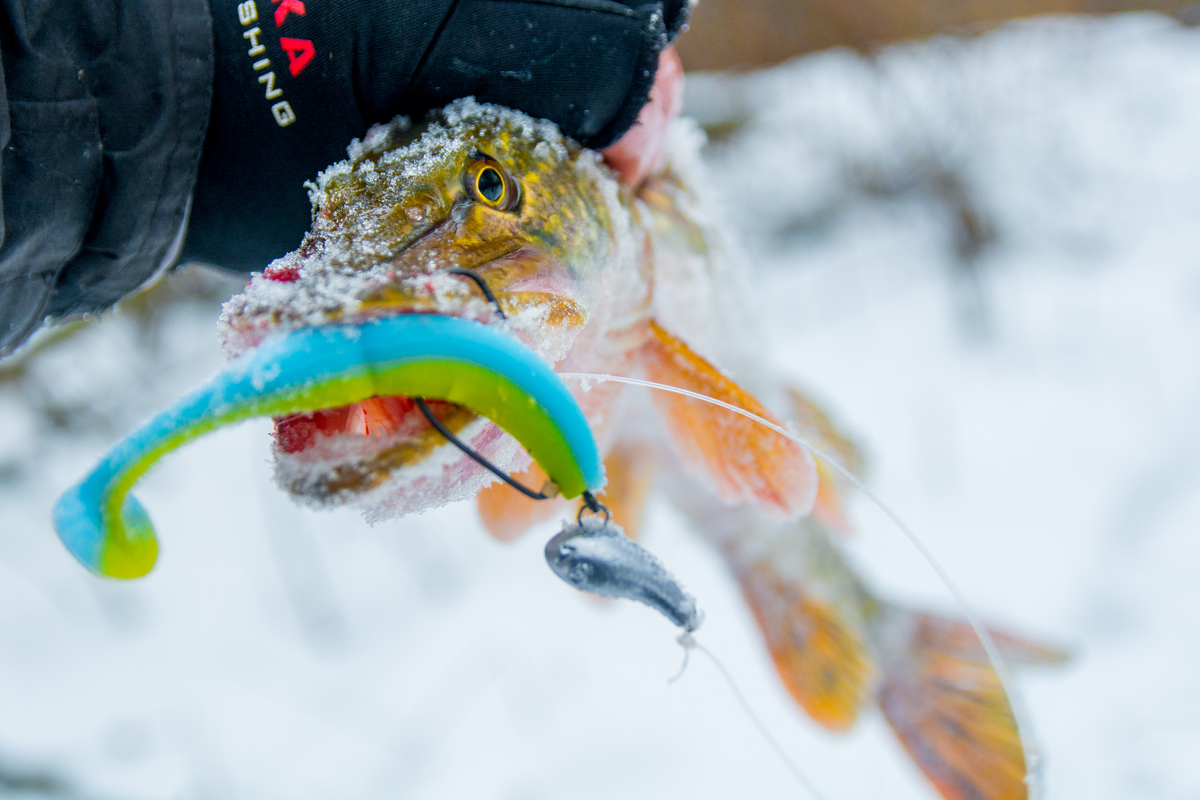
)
(815, 644)
(948, 706)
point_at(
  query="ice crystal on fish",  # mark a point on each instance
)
(388, 222)
(445, 477)
(343, 260)
(702, 289)
(442, 478)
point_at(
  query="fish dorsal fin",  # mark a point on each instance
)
(744, 461)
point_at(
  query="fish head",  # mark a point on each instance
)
(418, 220)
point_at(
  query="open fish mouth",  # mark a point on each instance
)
(361, 444)
(335, 453)
(473, 189)
(382, 452)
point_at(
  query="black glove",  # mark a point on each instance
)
(296, 80)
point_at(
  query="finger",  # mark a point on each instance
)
(642, 150)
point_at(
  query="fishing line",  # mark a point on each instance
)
(995, 659)
(590, 503)
(483, 287)
(689, 643)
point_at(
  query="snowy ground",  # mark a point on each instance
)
(1030, 407)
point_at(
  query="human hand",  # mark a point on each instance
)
(296, 80)
(643, 148)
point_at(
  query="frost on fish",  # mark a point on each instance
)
(563, 261)
(367, 209)
(702, 283)
(445, 477)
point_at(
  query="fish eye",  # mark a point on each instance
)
(488, 183)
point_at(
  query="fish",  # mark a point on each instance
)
(599, 279)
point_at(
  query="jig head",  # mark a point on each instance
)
(594, 555)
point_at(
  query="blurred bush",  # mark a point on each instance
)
(739, 34)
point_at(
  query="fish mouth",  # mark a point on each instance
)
(354, 448)
(382, 453)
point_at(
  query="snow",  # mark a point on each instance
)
(1032, 416)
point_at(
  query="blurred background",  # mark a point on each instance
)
(976, 240)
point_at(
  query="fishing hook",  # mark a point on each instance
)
(483, 287)
(479, 459)
(590, 503)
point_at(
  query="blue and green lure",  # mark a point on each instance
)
(417, 355)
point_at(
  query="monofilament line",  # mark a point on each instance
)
(1024, 729)
(689, 643)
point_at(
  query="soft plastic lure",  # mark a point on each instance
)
(416, 355)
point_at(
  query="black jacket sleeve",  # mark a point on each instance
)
(120, 118)
(103, 107)
(296, 80)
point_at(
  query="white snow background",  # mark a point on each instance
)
(1033, 417)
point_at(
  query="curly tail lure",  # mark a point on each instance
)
(447, 358)
(416, 355)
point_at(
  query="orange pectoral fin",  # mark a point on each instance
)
(506, 513)
(820, 657)
(745, 461)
